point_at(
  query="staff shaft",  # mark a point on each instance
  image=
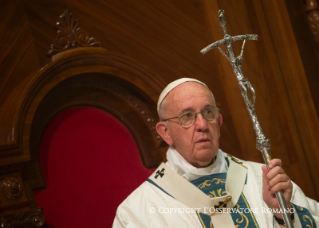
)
(262, 142)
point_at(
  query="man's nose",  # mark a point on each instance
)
(201, 123)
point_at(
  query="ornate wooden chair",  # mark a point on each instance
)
(79, 73)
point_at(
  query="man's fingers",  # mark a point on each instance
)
(265, 180)
(265, 172)
(274, 180)
(274, 172)
(274, 162)
(278, 179)
(280, 186)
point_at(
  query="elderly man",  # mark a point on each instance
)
(201, 186)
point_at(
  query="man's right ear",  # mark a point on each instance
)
(163, 132)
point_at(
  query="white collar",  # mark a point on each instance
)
(189, 172)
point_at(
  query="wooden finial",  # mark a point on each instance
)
(70, 35)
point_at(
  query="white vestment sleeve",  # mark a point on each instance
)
(254, 188)
(299, 198)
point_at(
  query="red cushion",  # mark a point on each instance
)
(91, 164)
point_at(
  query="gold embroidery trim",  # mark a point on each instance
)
(252, 214)
(201, 220)
(240, 221)
(242, 215)
(222, 205)
(219, 193)
(307, 217)
(207, 183)
(236, 160)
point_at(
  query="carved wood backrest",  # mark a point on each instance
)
(97, 78)
(74, 76)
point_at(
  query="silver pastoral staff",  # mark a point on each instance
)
(262, 142)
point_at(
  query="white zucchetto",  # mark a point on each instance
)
(172, 85)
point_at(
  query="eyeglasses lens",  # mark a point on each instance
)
(209, 114)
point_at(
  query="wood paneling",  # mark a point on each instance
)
(18, 56)
(308, 48)
(274, 67)
(166, 37)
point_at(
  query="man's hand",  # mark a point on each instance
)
(275, 180)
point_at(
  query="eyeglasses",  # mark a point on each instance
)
(187, 119)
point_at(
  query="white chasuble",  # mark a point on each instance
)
(151, 205)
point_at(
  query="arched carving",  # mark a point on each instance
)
(115, 76)
(106, 92)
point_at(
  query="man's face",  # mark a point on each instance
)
(199, 143)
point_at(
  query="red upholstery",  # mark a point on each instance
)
(90, 163)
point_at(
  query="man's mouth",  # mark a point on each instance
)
(203, 140)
